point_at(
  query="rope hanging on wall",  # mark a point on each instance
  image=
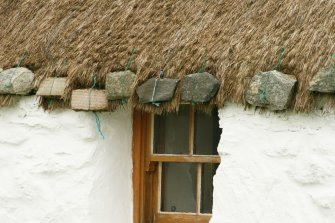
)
(97, 119)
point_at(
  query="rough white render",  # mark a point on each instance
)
(55, 168)
(275, 168)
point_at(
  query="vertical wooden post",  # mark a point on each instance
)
(198, 204)
(191, 131)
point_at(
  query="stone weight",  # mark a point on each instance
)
(119, 84)
(271, 89)
(324, 81)
(157, 90)
(16, 81)
(199, 87)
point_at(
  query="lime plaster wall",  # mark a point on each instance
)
(55, 168)
(275, 168)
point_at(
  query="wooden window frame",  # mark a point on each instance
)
(146, 180)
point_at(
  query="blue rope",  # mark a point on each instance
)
(94, 81)
(93, 86)
(203, 65)
(282, 50)
(97, 121)
(153, 94)
(262, 96)
(124, 100)
(130, 58)
(24, 55)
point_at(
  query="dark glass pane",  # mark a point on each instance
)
(171, 132)
(207, 133)
(178, 187)
(208, 172)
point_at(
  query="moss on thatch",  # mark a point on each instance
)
(238, 37)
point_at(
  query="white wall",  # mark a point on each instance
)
(55, 168)
(275, 168)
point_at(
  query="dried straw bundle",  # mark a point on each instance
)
(239, 39)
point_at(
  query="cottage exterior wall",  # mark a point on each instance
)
(275, 168)
(55, 168)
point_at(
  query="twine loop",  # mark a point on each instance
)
(97, 119)
(262, 95)
(24, 56)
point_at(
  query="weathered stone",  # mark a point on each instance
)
(271, 89)
(118, 84)
(199, 87)
(324, 81)
(157, 90)
(16, 81)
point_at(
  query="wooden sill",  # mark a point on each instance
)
(185, 158)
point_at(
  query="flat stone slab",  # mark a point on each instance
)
(89, 100)
(119, 84)
(324, 81)
(199, 87)
(52, 87)
(16, 81)
(271, 89)
(157, 90)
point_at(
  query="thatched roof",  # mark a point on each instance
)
(238, 37)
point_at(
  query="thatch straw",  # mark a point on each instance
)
(239, 38)
(7, 100)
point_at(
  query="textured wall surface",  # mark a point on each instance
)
(55, 168)
(275, 168)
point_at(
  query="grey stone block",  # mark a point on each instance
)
(271, 89)
(157, 90)
(199, 87)
(324, 81)
(118, 84)
(16, 81)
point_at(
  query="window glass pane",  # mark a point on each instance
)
(171, 132)
(208, 172)
(207, 133)
(178, 187)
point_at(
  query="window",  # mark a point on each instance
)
(175, 159)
